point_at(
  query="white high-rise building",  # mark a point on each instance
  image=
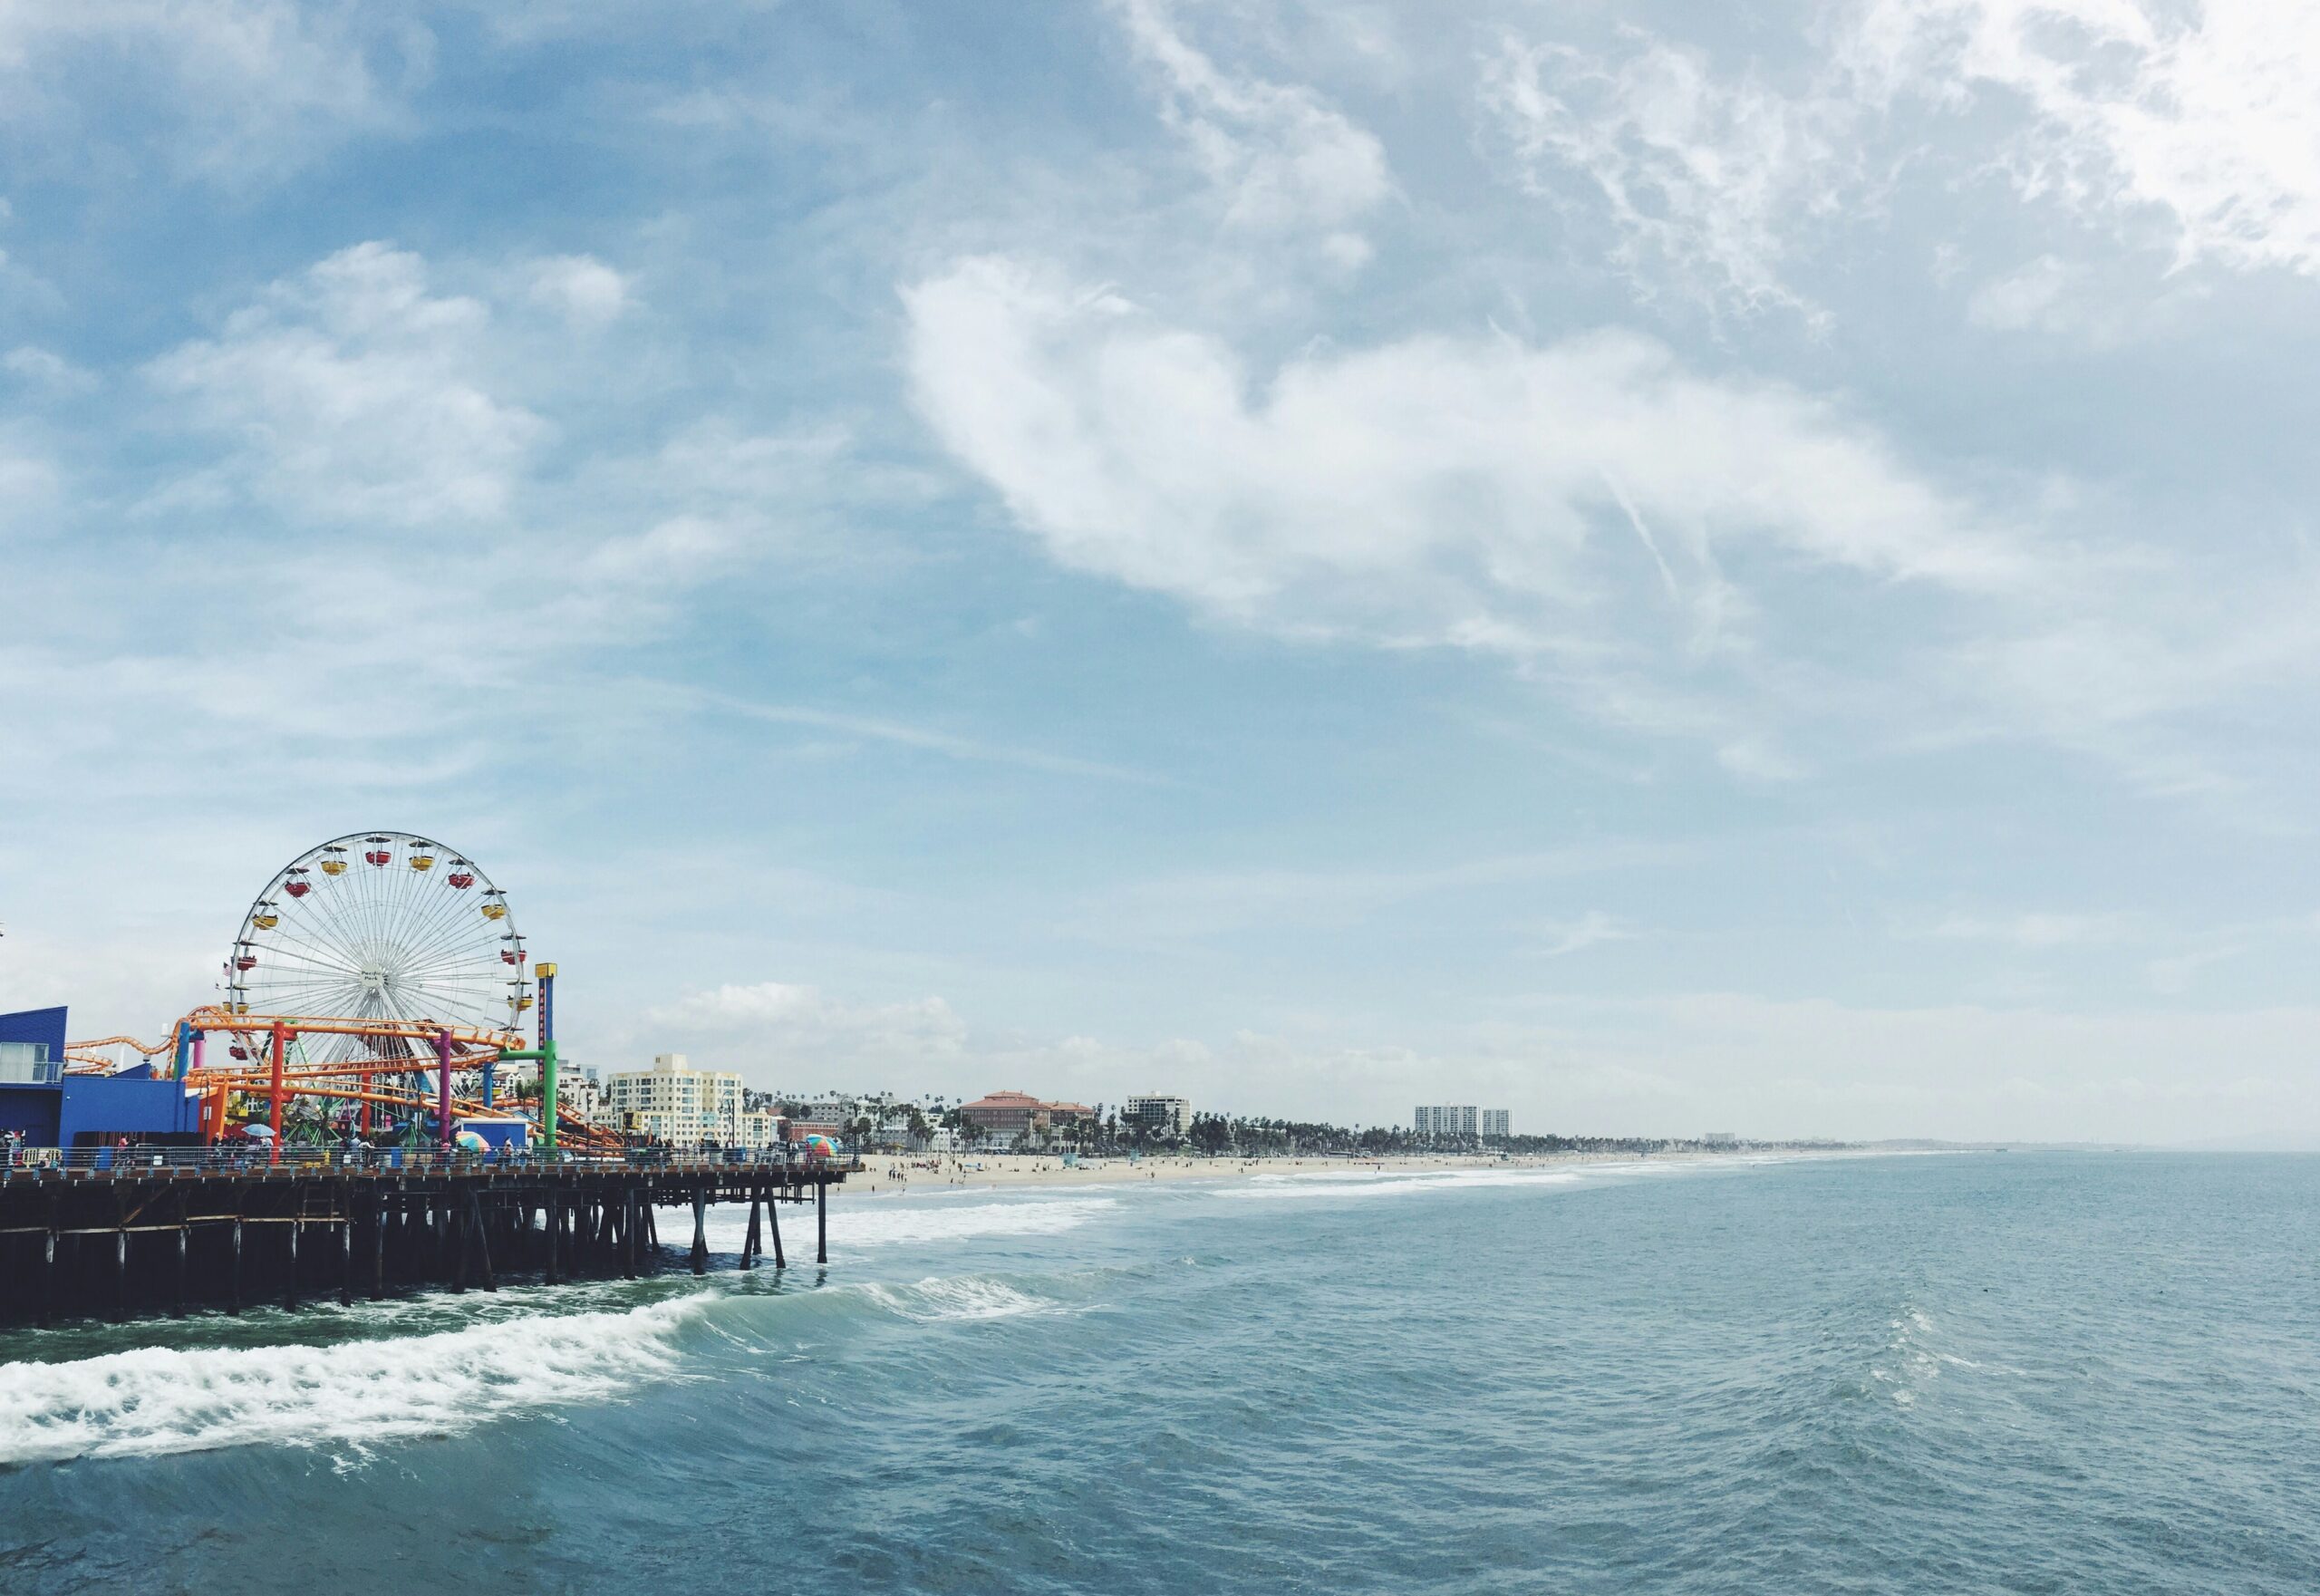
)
(1447, 1119)
(1460, 1121)
(680, 1106)
(1168, 1116)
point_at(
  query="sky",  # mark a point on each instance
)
(1668, 567)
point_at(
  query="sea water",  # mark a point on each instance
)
(2018, 1372)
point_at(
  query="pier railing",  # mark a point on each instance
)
(53, 1163)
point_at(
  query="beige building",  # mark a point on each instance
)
(680, 1106)
(1165, 1116)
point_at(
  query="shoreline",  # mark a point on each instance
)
(903, 1173)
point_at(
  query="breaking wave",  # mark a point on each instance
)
(160, 1399)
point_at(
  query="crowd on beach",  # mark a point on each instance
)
(892, 1175)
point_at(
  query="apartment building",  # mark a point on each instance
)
(1460, 1122)
(681, 1104)
(1161, 1115)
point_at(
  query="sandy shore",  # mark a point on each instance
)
(884, 1173)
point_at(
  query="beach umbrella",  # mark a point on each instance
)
(471, 1141)
(263, 1132)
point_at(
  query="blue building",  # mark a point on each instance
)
(53, 1109)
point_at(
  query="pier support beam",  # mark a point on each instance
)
(48, 1267)
(233, 1270)
(822, 1221)
(184, 1236)
(699, 1231)
(482, 1240)
(378, 1247)
(773, 1218)
(749, 1241)
(460, 1222)
(345, 1245)
(290, 1275)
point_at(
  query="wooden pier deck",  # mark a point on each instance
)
(145, 1236)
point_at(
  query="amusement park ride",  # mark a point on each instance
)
(373, 978)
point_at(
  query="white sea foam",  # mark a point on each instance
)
(159, 1399)
(1331, 1183)
(863, 1227)
(962, 1297)
(1399, 1184)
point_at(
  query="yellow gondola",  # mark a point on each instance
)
(495, 911)
(334, 866)
(422, 860)
(266, 922)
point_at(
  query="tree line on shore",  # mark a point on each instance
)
(1100, 1133)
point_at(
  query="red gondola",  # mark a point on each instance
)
(379, 856)
(460, 879)
(241, 1051)
(298, 889)
(246, 962)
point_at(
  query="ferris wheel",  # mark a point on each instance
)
(380, 925)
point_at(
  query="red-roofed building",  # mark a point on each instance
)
(1005, 1116)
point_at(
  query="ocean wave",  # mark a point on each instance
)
(1400, 1184)
(161, 1399)
(960, 1297)
(901, 1224)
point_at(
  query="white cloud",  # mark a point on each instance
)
(2036, 930)
(1429, 490)
(580, 288)
(47, 368)
(2203, 115)
(29, 486)
(1708, 178)
(2036, 296)
(2116, 112)
(353, 392)
(237, 86)
(1587, 930)
(792, 1025)
(1281, 158)
(2173, 976)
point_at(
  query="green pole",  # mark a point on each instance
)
(548, 1094)
(548, 1099)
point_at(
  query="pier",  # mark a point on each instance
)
(154, 1232)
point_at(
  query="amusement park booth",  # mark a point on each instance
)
(54, 1109)
(501, 1134)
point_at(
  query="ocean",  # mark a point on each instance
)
(1994, 1372)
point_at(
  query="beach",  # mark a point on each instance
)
(893, 1174)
